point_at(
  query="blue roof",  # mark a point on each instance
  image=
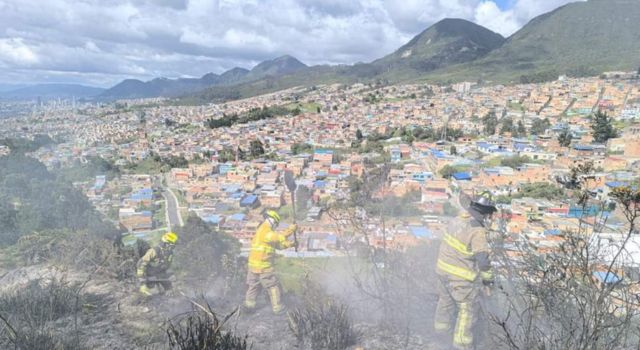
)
(438, 154)
(250, 199)
(232, 188)
(323, 151)
(583, 147)
(607, 278)
(614, 184)
(213, 219)
(142, 194)
(421, 231)
(462, 176)
(237, 217)
(552, 232)
(320, 184)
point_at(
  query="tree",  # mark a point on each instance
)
(565, 138)
(576, 295)
(540, 126)
(507, 125)
(522, 131)
(602, 126)
(256, 149)
(359, 135)
(298, 148)
(490, 123)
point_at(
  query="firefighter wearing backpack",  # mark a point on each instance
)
(154, 265)
(260, 272)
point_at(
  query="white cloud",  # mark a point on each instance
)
(489, 15)
(15, 51)
(108, 40)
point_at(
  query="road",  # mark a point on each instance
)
(173, 212)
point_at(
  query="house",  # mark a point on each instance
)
(134, 221)
(250, 201)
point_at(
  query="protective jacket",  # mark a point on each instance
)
(155, 260)
(264, 244)
(464, 254)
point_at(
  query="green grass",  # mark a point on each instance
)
(153, 237)
(159, 215)
(311, 107)
(146, 166)
(292, 271)
(515, 106)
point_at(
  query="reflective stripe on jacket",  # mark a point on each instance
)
(457, 250)
(158, 258)
(263, 247)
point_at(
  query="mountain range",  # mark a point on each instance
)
(578, 39)
(50, 91)
(132, 88)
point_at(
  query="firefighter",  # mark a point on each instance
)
(260, 272)
(463, 262)
(154, 265)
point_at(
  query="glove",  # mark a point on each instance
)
(288, 244)
(487, 278)
(140, 273)
(144, 290)
(291, 230)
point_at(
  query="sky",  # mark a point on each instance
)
(101, 42)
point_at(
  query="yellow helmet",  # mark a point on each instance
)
(274, 215)
(465, 214)
(170, 237)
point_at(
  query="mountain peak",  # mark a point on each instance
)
(447, 42)
(278, 66)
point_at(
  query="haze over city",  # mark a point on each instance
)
(319, 175)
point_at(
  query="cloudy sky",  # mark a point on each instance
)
(100, 42)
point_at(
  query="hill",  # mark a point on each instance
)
(448, 42)
(52, 91)
(163, 87)
(578, 39)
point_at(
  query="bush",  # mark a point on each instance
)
(322, 322)
(202, 330)
(200, 251)
(32, 313)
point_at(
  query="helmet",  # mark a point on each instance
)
(170, 237)
(479, 208)
(273, 215)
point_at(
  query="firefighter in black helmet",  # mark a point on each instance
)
(463, 266)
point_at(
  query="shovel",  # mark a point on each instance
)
(290, 182)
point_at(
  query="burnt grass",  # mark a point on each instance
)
(44, 314)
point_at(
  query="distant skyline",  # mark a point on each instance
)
(100, 43)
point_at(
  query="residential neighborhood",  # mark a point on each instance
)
(435, 141)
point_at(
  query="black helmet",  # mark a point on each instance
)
(479, 207)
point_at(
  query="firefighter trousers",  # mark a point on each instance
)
(457, 310)
(267, 280)
(157, 279)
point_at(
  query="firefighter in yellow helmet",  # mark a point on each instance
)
(463, 266)
(154, 265)
(260, 272)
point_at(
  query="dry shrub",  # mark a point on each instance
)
(322, 321)
(81, 250)
(32, 315)
(202, 330)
